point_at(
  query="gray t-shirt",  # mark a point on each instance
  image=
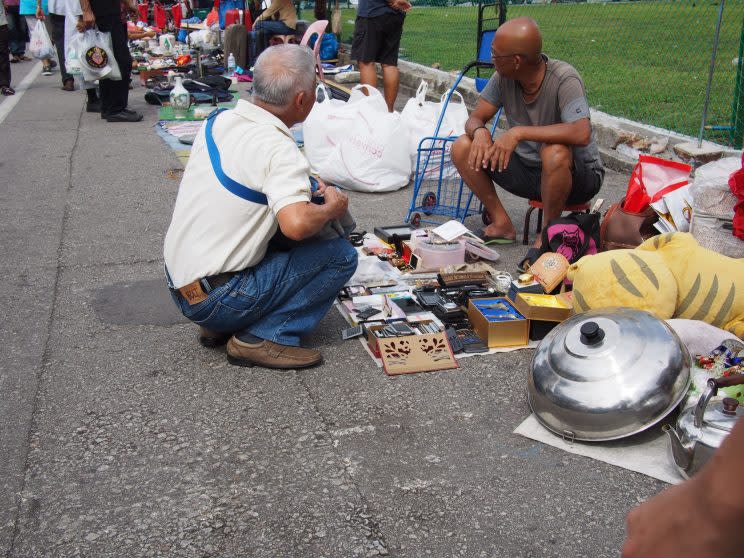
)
(562, 98)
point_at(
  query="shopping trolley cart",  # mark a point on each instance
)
(438, 189)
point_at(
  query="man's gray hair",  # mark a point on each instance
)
(281, 72)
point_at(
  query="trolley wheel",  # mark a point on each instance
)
(416, 220)
(486, 217)
(429, 202)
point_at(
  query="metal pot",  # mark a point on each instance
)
(701, 429)
(607, 374)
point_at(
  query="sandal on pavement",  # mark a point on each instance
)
(7, 91)
(68, 84)
(530, 258)
(46, 70)
(501, 240)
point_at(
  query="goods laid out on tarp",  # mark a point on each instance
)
(609, 363)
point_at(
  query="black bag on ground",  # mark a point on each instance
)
(574, 236)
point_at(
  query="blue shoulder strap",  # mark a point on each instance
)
(236, 188)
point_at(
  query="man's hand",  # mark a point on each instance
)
(88, 21)
(39, 13)
(400, 5)
(501, 151)
(336, 202)
(480, 149)
(321, 186)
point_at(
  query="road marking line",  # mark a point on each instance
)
(7, 105)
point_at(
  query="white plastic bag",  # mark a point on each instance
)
(324, 123)
(421, 116)
(361, 145)
(713, 207)
(96, 56)
(41, 44)
(72, 61)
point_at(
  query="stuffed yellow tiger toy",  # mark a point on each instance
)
(670, 276)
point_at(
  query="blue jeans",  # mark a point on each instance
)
(282, 297)
(274, 27)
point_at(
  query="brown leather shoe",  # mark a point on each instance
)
(212, 339)
(270, 355)
(68, 84)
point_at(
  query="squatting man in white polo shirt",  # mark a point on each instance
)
(223, 273)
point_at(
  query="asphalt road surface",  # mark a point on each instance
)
(121, 436)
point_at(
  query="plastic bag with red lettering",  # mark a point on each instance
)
(652, 178)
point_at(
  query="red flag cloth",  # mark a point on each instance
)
(143, 9)
(736, 183)
(177, 15)
(158, 14)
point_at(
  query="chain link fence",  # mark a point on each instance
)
(644, 60)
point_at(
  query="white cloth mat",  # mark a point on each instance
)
(647, 453)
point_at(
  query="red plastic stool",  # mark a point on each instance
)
(535, 204)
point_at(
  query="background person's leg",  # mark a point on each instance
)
(389, 28)
(274, 27)
(58, 36)
(4, 60)
(18, 32)
(390, 84)
(368, 73)
(115, 94)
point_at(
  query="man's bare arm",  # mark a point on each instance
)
(578, 132)
(565, 133)
(302, 220)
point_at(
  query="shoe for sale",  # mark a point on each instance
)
(271, 355)
(94, 106)
(212, 339)
(124, 116)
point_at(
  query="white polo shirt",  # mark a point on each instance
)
(214, 231)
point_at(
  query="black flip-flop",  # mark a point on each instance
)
(530, 258)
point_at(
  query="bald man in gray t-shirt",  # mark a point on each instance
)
(548, 152)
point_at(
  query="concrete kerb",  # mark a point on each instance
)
(609, 130)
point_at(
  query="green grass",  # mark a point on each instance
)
(647, 61)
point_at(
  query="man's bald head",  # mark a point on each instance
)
(519, 36)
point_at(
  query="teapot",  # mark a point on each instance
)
(701, 429)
